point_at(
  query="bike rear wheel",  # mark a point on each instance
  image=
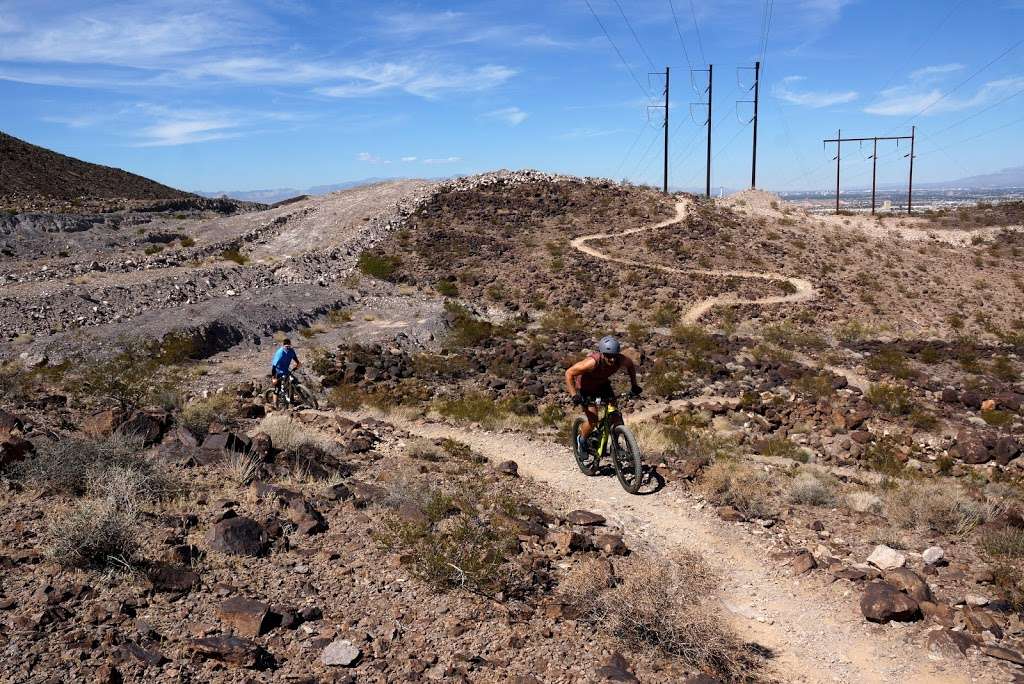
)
(627, 459)
(589, 463)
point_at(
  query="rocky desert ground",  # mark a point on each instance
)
(831, 424)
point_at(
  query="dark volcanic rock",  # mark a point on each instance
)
(248, 617)
(238, 536)
(882, 602)
(233, 651)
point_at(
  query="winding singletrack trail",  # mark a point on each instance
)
(813, 626)
(804, 290)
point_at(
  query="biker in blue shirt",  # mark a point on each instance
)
(282, 361)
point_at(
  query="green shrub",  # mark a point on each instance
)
(153, 249)
(198, 415)
(780, 447)
(126, 379)
(378, 265)
(1004, 542)
(896, 400)
(892, 362)
(446, 288)
(235, 256)
(186, 242)
(474, 407)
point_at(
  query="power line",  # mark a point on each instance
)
(680, 34)
(630, 150)
(975, 137)
(961, 83)
(635, 37)
(766, 26)
(976, 114)
(920, 45)
(617, 51)
(696, 26)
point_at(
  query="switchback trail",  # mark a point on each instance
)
(814, 627)
(803, 291)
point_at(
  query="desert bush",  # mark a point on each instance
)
(1003, 542)
(378, 265)
(339, 316)
(781, 447)
(892, 362)
(153, 249)
(658, 603)
(941, 507)
(466, 329)
(126, 379)
(107, 466)
(446, 288)
(563, 319)
(814, 385)
(862, 500)
(235, 256)
(290, 436)
(473, 407)
(665, 379)
(748, 489)
(896, 400)
(455, 544)
(1003, 369)
(94, 533)
(186, 242)
(425, 450)
(666, 314)
(198, 415)
(812, 489)
(883, 456)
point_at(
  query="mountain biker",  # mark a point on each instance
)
(283, 357)
(591, 378)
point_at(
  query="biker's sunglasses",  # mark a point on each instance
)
(609, 357)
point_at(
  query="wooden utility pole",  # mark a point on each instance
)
(839, 140)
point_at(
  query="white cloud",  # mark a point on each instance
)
(590, 133)
(930, 72)
(784, 90)
(910, 99)
(408, 159)
(417, 23)
(371, 158)
(513, 116)
(443, 160)
(187, 131)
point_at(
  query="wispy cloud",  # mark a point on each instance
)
(590, 133)
(785, 90)
(911, 99)
(408, 159)
(930, 72)
(371, 158)
(186, 132)
(442, 160)
(512, 116)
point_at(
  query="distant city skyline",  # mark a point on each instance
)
(257, 94)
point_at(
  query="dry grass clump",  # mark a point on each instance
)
(812, 489)
(1004, 542)
(942, 507)
(864, 501)
(748, 489)
(94, 533)
(660, 603)
(425, 450)
(291, 436)
(198, 415)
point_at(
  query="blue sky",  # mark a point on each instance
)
(246, 94)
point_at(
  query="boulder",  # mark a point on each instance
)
(803, 562)
(340, 653)
(909, 582)
(246, 616)
(615, 669)
(510, 468)
(10, 422)
(13, 448)
(103, 423)
(233, 651)
(588, 518)
(142, 426)
(971, 399)
(1000, 653)
(883, 602)
(171, 578)
(1005, 450)
(239, 536)
(612, 544)
(226, 441)
(949, 643)
(885, 558)
(979, 621)
(939, 612)
(933, 555)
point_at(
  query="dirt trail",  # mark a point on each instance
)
(804, 290)
(815, 630)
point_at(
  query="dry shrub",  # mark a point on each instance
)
(98, 467)
(666, 604)
(425, 450)
(942, 507)
(292, 436)
(1004, 542)
(748, 489)
(812, 489)
(864, 501)
(198, 415)
(94, 533)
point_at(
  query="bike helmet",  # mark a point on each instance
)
(608, 345)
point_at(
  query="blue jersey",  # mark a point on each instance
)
(283, 360)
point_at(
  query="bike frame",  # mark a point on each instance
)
(605, 412)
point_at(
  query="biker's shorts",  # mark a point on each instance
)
(604, 392)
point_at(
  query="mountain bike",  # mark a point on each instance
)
(290, 392)
(613, 439)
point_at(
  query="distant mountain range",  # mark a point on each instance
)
(28, 169)
(1012, 177)
(272, 195)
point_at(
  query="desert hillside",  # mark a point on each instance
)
(831, 432)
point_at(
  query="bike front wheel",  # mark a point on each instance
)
(304, 397)
(588, 462)
(627, 459)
